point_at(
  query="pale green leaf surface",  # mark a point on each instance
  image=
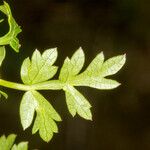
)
(112, 65)
(94, 67)
(27, 109)
(40, 68)
(25, 71)
(10, 140)
(46, 106)
(20, 146)
(77, 103)
(96, 82)
(65, 70)
(11, 37)
(2, 142)
(72, 66)
(6, 143)
(2, 54)
(45, 115)
(93, 76)
(46, 126)
(77, 61)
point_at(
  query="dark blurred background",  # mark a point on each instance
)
(121, 117)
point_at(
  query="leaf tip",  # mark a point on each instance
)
(125, 55)
(102, 53)
(67, 59)
(36, 50)
(124, 58)
(119, 84)
(24, 126)
(80, 48)
(55, 48)
(80, 51)
(73, 114)
(91, 119)
(60, 119)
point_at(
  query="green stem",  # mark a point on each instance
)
(48, 85)
(5, 40)
(14, 85)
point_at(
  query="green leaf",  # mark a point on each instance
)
(94, 67)
(40, 68)
(4, 94)
(27, 109)
(45, 115)
(93, 76)
(20, 146)
(2, 54)
(112, 65)
(96, 82)
(77, 61)
(6, 143)
(77, 103)
(11, 37)
(72, 67)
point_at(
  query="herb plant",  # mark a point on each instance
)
(37, 73)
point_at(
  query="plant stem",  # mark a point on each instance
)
(14, 85)
(48, 85)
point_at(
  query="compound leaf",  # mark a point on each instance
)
(45, 115)
(93, 76)
(77, 103)
(44, 121)
(40, 68)
(11, 37)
